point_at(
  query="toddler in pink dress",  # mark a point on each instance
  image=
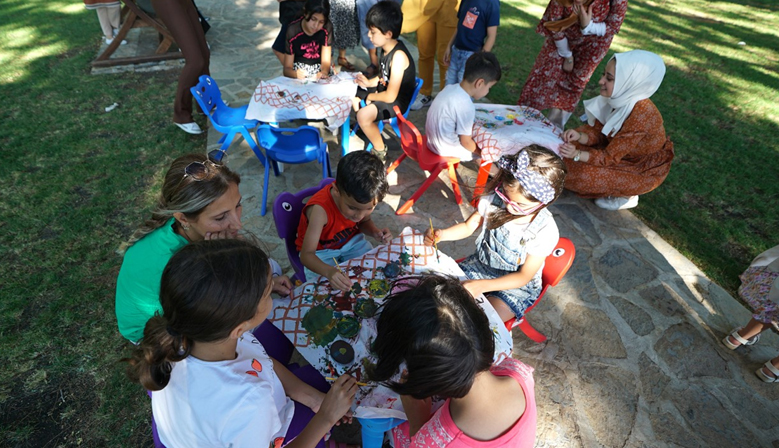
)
(439, 340)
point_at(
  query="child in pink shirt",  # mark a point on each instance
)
(435, 327)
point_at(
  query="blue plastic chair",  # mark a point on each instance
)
(226, 120)
(287, 210)
(373, 430)
(293, 146)
(393, 121)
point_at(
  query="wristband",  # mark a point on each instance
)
(578, 154)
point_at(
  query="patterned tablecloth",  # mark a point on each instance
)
(315, 316)
(284, 99)
(500, 129)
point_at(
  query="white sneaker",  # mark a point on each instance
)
(421, 101)
(617, 203)
(108, 42)
(190, 128)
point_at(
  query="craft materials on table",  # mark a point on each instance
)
(334, 330)
(500, 129)
(283, 99)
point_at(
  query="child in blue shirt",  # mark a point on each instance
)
(477, 28)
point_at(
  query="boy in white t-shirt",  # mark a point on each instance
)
(449, 123)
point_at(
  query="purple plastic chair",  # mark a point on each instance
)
(287, 210)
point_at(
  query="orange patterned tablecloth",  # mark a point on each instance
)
(283, 99)
(348, 317)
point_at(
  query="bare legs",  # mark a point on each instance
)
(366, 117)
(500, 306)
(751, 330)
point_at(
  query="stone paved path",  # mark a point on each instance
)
(633, 357)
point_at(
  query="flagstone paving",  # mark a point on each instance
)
(633, 357)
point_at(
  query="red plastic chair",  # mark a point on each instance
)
(555, 267)
(415, 146)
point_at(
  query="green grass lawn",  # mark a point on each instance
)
(720, 103)
(77, 180)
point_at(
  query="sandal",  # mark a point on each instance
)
(345, 64)
(741, 341)
(768, 379)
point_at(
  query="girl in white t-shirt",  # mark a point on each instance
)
(212, 382)
(518, 233)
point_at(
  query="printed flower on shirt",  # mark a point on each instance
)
(311, 50)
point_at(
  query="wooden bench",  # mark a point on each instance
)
(139, 14)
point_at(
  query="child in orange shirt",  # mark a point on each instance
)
(335, 218)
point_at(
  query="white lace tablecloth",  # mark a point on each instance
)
(284, 99)
(336, 314)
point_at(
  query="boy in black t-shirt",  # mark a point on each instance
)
(395, 82)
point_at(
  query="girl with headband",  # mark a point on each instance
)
(517, 234)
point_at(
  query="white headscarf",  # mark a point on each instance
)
(637, 76)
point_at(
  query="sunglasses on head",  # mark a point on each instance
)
(199, 171)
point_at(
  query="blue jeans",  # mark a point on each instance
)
(356, 247)
(362, 10)
(457, 65)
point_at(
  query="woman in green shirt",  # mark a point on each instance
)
(200, 200)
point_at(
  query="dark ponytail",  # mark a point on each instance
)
(207, 289)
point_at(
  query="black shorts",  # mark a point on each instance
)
(384, 111)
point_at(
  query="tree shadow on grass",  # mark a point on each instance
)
(715, 205)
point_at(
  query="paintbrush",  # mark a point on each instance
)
(330, 378)
(338, 265)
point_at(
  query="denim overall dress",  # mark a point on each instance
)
(502, 251)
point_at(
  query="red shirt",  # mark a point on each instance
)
(338, 230)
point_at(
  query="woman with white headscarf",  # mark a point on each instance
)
(622, 151)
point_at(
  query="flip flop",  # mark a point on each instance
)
(765, 378)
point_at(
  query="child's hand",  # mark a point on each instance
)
(282, 285)
(361, 81)
(300, 74)
(384, 235)
(571, 135)
(356, 104)
(432, 236)
(339, 280)
(339, 399)
(568, 150)
(447, 56)
(473, 287)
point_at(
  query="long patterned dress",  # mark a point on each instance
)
(343, 15)
(634, 161)
(548, 86)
